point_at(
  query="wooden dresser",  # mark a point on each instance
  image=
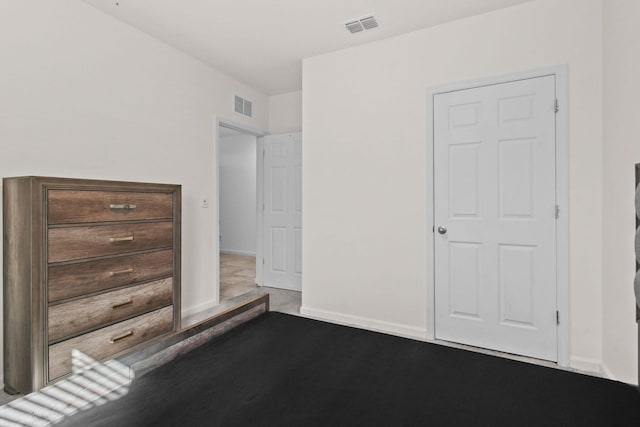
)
(88, 265)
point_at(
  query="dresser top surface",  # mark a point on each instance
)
(88, 184)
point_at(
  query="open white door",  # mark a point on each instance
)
(495, 217)
(282, 211)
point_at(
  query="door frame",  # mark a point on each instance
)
(247, 130)
(562, 195)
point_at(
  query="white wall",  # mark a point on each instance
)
(621, 150)
(365, 237)
(83, 95)
(238, 194)
(285, 113)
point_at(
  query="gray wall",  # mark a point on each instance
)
(238, 194)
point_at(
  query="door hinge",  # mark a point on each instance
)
(557, 211)
(557, 317)
(556, 106)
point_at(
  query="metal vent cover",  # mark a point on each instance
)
(369, 22)
(239, 105)
(361, 24)
(243, 106)
(354, 26)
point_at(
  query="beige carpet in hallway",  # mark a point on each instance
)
(237, 275)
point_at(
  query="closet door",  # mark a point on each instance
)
(495, 217)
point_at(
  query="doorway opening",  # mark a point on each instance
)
(239, 186)
(259, 215)
(237, 173)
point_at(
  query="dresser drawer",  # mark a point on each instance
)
(77, 206)
(73, 280)
(108, 341)
(71, 243)
(74, 317)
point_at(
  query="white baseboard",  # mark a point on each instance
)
(234, 252)
(606, 372)
(589, 365)
(365, 323)
(198, 308)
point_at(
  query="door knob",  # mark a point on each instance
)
(442, 229)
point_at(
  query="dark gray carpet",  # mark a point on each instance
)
(281, 370)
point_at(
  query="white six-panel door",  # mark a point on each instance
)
(282, 217)
(494, 214)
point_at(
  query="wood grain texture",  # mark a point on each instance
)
(257, 304)
(74, 317)
(73, 280)
(99, 345)
(177, 258)
(16, 277)
(71, 243)
(189, 343)
(637, 205)
(78, 206)
(26, 253)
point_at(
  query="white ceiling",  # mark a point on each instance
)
(262, 42)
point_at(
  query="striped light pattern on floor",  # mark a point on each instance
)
(91, 384)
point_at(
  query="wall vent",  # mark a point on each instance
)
(361, 24)
(354, 26)
(243, 106)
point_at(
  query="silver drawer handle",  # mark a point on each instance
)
(120, 239)
(121, 304)
(120, 272)
(117, 338)
(125, 206)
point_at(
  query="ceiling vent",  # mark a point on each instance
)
(369, 22)
(361, 24)
(243, 106)
(354, 26)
